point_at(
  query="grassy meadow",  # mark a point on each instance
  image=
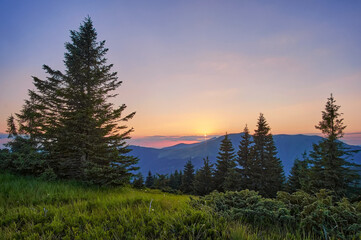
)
(31, 208)
(34, 209)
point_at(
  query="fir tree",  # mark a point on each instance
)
(331, 166)
(225, 162)
(12, 131)
(203, 183)
(188, 178)
(161, 181)
(245, 160)
(275, 176)
(95, 141)
(174, 181)
(70, 119)
(232, 181)
(149, 181)
(138, 181)
(179, 179)
(298, 178)
(267, 173)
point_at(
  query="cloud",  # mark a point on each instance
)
(167, 141)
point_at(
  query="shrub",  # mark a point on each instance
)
(247, 206)
(316, 215)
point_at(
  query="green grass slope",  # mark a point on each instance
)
(35, 209)
(31, 208)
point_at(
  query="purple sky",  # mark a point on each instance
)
(199, 67)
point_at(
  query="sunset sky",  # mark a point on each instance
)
(191, 68)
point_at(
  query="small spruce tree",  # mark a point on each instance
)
(298, 178)
(138, 181)
(161, 181)
(149, 181)
(174, 180)
(203, 183)
(188, 178)
(245, 160)
(225, 162)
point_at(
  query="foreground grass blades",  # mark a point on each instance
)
(31, 208)
(34, 209)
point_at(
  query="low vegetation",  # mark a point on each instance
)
(300, 213)
(31, 208)
(34, 209)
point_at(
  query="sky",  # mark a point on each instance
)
(195, 68)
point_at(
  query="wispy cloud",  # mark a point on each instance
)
(166, 141)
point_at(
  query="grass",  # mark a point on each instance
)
(35, 209)
(31, 208)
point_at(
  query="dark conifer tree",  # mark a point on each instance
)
(92, 137)
(149, 181)
(188, 178)
(298, 178)
(225, 162)
(12, 131)
(24, 157)
(203, 183)
(245, 160)
(267, 173)
(138, 181)
(331, 166)
(161, 181)
(232, 181)
(275, 177)
(70, 119)
(174, 180)
(179, 179)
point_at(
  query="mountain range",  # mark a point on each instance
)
(169, 159)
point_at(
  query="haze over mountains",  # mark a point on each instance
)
(169, 159)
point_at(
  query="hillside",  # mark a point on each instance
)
(168, 159)
(35, 209)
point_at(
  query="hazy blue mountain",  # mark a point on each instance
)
(3, 139)
(168, 159)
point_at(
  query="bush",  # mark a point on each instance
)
(247, 206)
(25, 164)
(316, 215)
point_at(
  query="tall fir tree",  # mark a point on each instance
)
(188, 178)
(331, 166)
(203, 183)
(225, 162)
(245, 159)
(149, 181)
(69, 117)
(267, 173)
(95, 141)
(275, 177)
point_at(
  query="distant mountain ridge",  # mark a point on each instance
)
(169, 159)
